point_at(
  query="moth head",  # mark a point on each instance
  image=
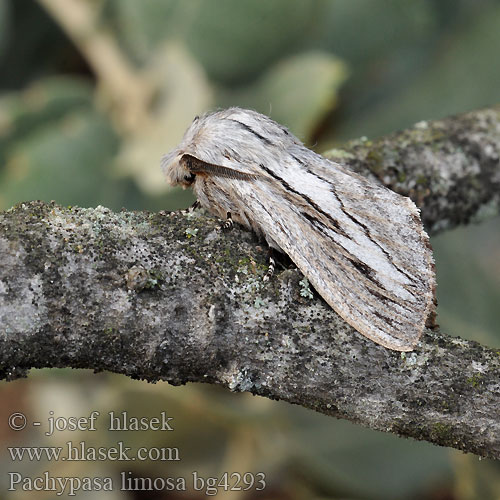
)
(176, 169)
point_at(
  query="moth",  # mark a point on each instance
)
(362, 246)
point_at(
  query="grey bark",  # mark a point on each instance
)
(168, 297)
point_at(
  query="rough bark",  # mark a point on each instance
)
(167, 297)
(450, 168)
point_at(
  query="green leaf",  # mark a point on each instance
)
(365, 32)
(141, 26)
(235, 40)
(463, 75)
(64, 161)
(297, 92)
(45, 102)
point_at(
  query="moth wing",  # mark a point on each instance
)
(360, 245)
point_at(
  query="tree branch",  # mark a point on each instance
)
(450, 168)
(166, 297)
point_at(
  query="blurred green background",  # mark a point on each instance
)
(93, 92)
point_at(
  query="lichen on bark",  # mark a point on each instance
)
(168, 297)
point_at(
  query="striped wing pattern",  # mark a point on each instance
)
(373, 266)
(361, 245)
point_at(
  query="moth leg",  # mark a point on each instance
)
(227, 224)
(195, 205)
(272, 265)
(190, 209)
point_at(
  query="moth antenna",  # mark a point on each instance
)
(196, 166)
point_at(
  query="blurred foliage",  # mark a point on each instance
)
(233, 41)
(457, 74)
(316, 78)
(468, 277)
(72, 131)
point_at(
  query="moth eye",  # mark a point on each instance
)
(189, 178)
